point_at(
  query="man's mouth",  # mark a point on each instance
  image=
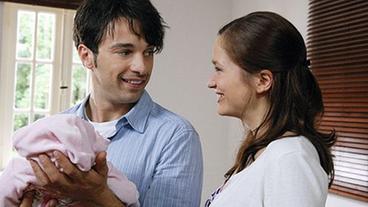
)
(134, 82)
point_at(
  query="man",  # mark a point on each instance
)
(156, 149)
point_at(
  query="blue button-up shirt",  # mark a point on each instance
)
(159, 151)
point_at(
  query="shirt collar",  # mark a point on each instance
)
(81, 108)
(137, 116)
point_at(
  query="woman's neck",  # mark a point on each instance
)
(254, 117)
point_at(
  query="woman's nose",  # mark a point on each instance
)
(211, 83)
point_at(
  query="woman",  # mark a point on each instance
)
(262, 77)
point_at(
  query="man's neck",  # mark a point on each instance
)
(100, 111)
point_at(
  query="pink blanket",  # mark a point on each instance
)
(69, 134)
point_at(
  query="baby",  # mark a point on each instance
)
(70, 135)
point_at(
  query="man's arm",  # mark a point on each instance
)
(177, 181)
(88, 187)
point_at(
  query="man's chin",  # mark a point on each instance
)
(131, 98)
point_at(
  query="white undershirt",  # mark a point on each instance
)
(106, 129)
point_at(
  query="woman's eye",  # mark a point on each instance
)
(217, 69)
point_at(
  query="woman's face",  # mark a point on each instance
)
(233, 85)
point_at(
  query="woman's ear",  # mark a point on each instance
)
(264, 81)
(86, 56)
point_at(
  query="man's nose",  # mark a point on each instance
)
(138, 64)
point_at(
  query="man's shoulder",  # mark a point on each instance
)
(72, 110)
(167, 117)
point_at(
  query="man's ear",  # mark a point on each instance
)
(264, 81)
(87, 57)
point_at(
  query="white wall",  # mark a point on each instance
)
(1, 25)
(297, 13)
(179, 80)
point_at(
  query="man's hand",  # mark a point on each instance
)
(70, 182)
(27, 199)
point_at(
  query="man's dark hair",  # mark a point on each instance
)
(96, 18)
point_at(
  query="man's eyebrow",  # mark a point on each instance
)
(122, 45)
(214, 62)
(127, 45)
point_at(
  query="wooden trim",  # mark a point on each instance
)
(341, 192)
(65, 4)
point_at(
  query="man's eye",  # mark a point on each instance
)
(149, 52)
(125, 53)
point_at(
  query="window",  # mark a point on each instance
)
(69, 4)
(40, 72)
(338, 50)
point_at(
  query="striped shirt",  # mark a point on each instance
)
(159, 151)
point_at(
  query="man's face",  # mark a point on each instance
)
(123, 66)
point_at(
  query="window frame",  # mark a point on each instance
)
(61, 88)
(69, 4)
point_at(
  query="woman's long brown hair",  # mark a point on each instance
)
(265, 40)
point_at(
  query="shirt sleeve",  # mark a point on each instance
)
(178, 178)
(294, 180)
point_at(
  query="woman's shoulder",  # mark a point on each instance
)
(296, 145)
(292, 155)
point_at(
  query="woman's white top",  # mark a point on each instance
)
(287, 174)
